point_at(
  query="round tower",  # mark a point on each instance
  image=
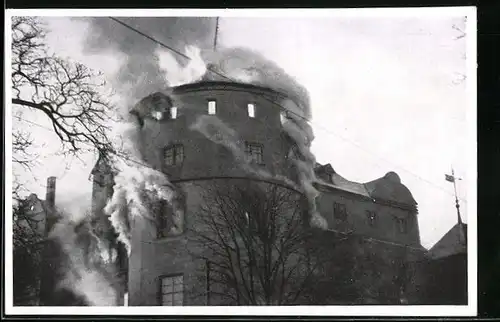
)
(201, 134)
(215, 129)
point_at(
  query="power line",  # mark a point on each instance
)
(280, 106)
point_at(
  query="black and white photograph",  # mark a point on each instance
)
(244, 161)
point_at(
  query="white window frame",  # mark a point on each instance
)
(212, 107)
(251, 110)
(173, 112)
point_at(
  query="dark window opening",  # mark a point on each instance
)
(170, 216)
(402, 225)
(174, 155)
(170, 221)
(254, 152)
(339, 211)
(172, 290)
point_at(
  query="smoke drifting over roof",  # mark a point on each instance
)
(248, 66)
(142, 65)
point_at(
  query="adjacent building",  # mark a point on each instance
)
(445, 269)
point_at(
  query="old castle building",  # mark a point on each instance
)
(372, 227)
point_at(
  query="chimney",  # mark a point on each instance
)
(50, 260)
(50, 204)
(50, 197)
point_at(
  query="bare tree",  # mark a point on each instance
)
(253, 239)
(67, 93)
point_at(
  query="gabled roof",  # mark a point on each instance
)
(452, 243)
(388, 188)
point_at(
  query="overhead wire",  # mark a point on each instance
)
(85, 143)
(317, 125)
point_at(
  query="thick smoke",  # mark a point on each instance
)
(302, 135)
(138, 187)
(220, 133)
(247, 66)
(83, 275)
(142, 68)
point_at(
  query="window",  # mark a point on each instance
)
(170, 218)
(254, 151)
(173, 113)
(401, 222)
(172, 290)
(174, 154)
(372, 217)
(211, 107)
(164, 219)
(251, 110)
(339, 211)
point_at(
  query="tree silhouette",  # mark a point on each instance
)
(253, 239)
(65, 92)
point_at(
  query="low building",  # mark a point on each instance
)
(446, 269)
(378, 225)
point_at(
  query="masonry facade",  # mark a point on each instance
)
(212, 131)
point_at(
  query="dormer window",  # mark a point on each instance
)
(212, 107)
(251, 110)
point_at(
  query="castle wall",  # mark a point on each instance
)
(206, 161)
(385, 226)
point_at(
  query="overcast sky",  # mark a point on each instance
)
(385, 97)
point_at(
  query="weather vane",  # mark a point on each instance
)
(452, 178)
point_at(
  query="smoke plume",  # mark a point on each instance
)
(83, 275)
(248, 66)
(142, 67)
(220, 133)
(138, 187)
